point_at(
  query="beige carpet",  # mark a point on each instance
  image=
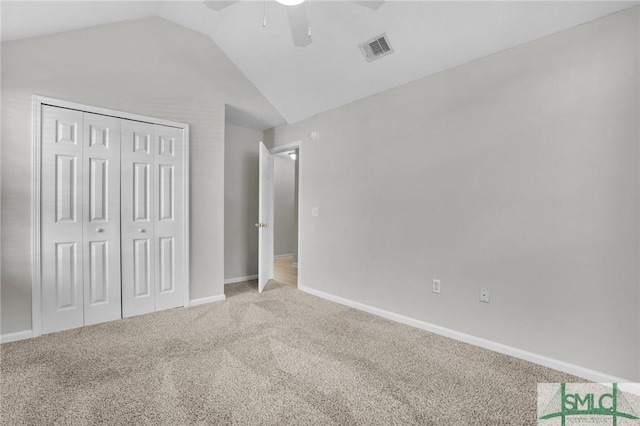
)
(282, 357)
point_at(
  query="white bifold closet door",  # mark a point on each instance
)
(112, 218)
(152, 222)
(80, 219)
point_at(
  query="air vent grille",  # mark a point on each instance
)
(376, 48)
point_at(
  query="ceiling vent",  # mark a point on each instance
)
(376, 48)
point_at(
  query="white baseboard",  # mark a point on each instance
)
(633, 388)
(544, 361)
(240, 279)
(12, 337)
(27, 334)
(204, 300)
(280, 256)
(295, 264)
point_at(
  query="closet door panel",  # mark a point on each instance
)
(137, 213)
(168, 219)
(101, 198)
(61, 219)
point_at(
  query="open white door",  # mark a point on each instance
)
(265, 220)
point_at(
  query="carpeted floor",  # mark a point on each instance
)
(279, 358)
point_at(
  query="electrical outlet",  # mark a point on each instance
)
(436, 286)
(484, 295)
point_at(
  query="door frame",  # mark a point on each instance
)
(36, 157)
(279, 149)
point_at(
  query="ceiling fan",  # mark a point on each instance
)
(297, 13)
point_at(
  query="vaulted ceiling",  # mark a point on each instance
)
(427, 37)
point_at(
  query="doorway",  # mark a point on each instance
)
(285, 219)
(278, 215)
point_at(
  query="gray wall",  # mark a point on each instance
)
(284, 187)
(518, 172)
(149, 67)
(241, 201)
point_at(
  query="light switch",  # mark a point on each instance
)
(314, 211)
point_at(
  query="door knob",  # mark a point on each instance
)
(264, 225)
(99, 230)
(258, 225)
(140, 230)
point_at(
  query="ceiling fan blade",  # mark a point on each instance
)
(299, 23)
(218, 5)
(375, 5)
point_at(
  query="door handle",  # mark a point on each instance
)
(261, 225)
(99, 230)
(141, 230)
(264, 225)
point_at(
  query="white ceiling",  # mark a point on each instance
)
(427, 36)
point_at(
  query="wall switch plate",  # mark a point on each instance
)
(314, 211)
(484, 295)
(436, 286)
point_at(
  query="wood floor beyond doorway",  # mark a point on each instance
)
(284, 272)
